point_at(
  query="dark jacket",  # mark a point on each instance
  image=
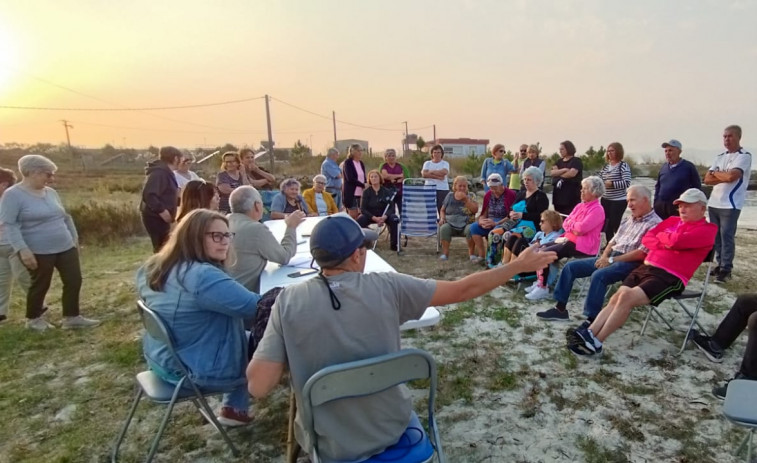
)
(373, 204)
(535, 205)
(350, 180)
(160, 192)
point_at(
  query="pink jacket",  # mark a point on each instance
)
(584, 225)
(679, 247)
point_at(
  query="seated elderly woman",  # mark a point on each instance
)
(494, 212)
(44, 237)
(377, 207)
(254, 244)
(318, 199)
(198, 194)
(186, 284)
(456, 215)
(289, 200)
(677, 246)
(582, 229)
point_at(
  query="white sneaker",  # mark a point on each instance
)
(537, 294)
(474, 258)
(38, 324)
(533, 286)
(78, 322)
(443, 257)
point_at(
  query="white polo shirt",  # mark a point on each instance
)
(731, 195)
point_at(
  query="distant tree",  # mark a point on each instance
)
(226, 147)
(153, 150)
(473, 163)
(415, 163)
(420, 143)
(299, 152)
(108, 150)
(552, 160)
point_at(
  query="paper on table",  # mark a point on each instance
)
(301, 261)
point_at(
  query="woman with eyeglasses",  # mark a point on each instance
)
(394, 174)
(318, 199)
(44, 236)
(183, 174)
(496, 164)
(289, 200)
(617, 177)
(187, 285)
(198, 194)
(353, 171)
(229, 178)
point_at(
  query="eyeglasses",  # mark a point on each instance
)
(230, 161)
(320, 183)
(523, 151)
(218, 237)
(501, 151)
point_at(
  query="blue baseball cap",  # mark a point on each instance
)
(336, 237)
(673, 143)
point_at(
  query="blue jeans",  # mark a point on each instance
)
(337, 195)
(600, 280)
(725, 240)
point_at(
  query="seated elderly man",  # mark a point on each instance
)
(318, 199)
(622, 254)
(253, 242)
(288, 200)
(345, 315)
(677, 246)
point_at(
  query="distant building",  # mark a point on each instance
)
(342, 145)
(461, 147)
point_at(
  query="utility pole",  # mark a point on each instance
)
(333, 119)
(434, 133)
(405, 142)
(67, 126)
(270, 131)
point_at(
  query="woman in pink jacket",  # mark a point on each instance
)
(582, 229)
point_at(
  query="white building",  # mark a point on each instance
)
(461, 147)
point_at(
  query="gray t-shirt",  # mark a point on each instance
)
(39, 224)
(456, 214)
(307, 333)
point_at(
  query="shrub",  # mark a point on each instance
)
(106, 222)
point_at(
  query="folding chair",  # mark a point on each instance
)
(687, 294)
(267, 197)
(366, 377)
(419, 210)
(740, 407)
(161, 392)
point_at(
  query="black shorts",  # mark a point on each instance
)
(656, 283)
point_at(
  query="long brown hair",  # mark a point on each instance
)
(185, 245)
(196, 194)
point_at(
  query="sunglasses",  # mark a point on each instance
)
(218, 237)
(523, 151)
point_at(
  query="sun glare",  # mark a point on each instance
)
(9, 56)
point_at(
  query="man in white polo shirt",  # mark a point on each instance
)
(729, 176)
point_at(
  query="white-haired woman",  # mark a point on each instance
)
(45, 238)
(288, 200)
(318, 199)
(582, 231)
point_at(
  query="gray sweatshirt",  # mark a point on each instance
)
(39, 224)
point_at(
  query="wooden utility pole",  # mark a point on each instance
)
(435, 134)
(333, 119)
(405, 142)
(67, 126)
(270, 131)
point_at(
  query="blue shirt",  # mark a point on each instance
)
(502, 168)
(203, 308)
(330, 169)
(674, 180)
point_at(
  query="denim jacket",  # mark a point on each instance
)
(203, 310)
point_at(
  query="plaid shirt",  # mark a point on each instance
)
(631, 231)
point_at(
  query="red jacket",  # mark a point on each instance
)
(679, 247)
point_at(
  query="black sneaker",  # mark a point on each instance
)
(715, 271)
(554, 314)
(3, 318)
(586, 347)
(584, 351)
(723, 277)
(705, 344)
(720, 391)
(570, 333)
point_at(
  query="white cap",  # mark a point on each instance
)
(691, 196)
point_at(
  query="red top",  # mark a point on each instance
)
(679, 247)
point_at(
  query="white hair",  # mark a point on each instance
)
(242, 200)
(595, 184)
(35, 163)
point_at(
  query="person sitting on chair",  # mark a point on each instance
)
(198, 194)
(318, 199)
(377, 207)
(186, 284)
(622, 254)
(743, 315)
(582, 229)
(677, 246)
(344, 315)
(457, 213)
(254, 244)
(496, 207)
(289, 200)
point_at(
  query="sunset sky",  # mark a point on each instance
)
(511, 71)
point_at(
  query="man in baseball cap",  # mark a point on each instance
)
(675, 176)
(675, 249)
(345, 315)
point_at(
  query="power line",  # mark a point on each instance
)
(157, 108)
(341, 122)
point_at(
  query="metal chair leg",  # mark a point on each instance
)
(122, 434)
(163, 424)
(208, 414)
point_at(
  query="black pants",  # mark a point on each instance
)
(67, 263)
(516, 244)
(391, 222)
(440, 195)
(742, 315)
(665, 209)
(614, 211)
(158, 230)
